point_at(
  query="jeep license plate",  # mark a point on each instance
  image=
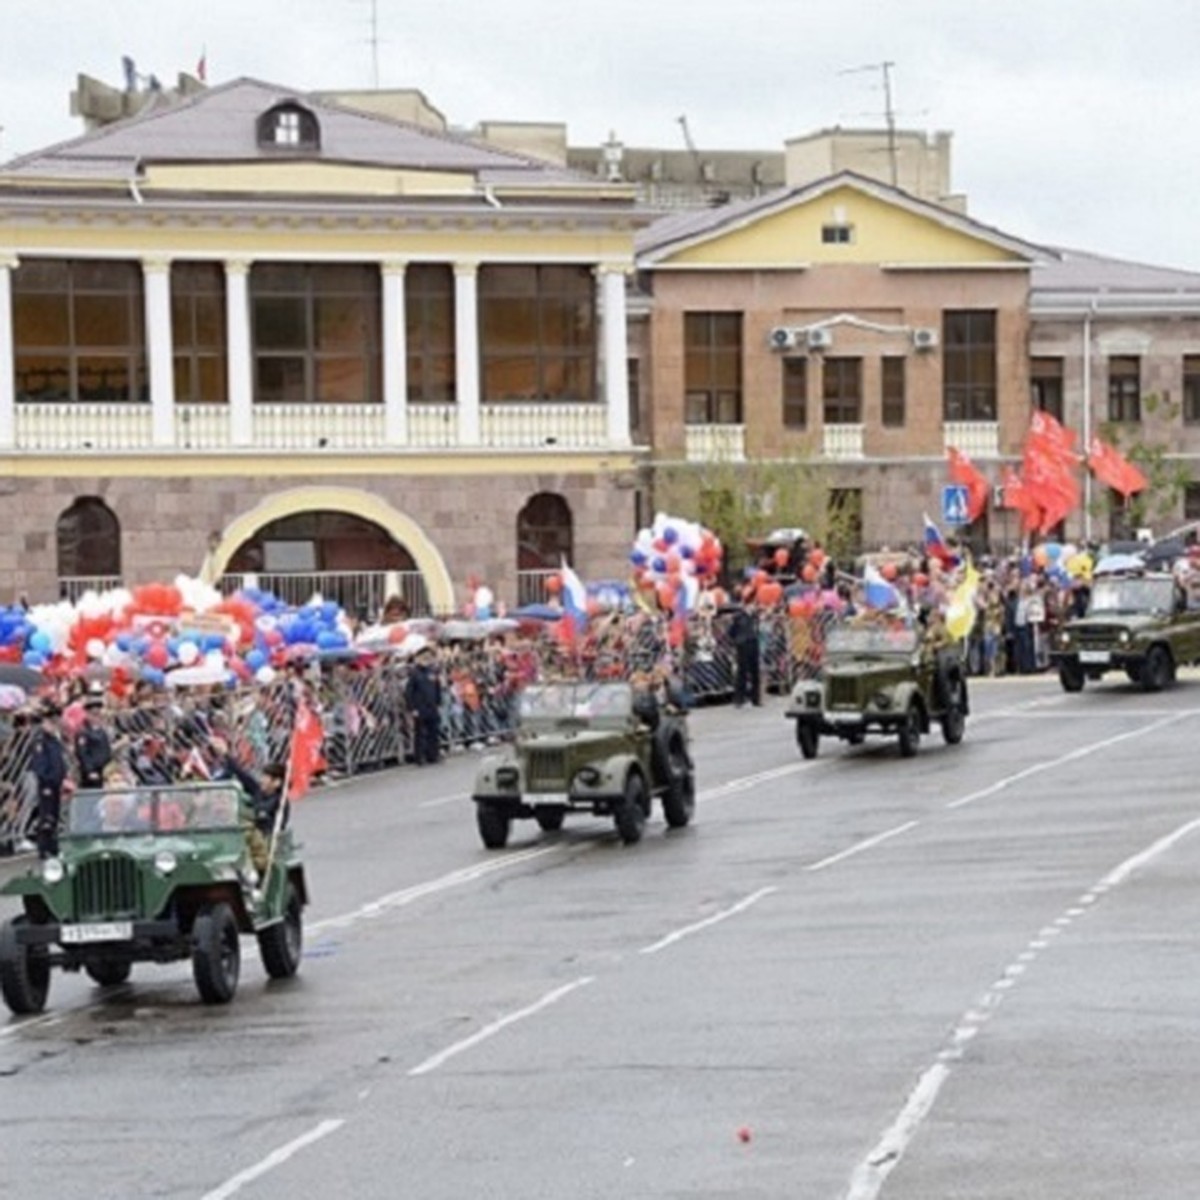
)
(538, 798)
(845, 718)
(100, 931)
(1093, 657)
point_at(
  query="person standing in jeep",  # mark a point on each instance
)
(93, 751)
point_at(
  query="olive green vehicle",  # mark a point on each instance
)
(1136, 623)
(878, 679)
(587, 748)
(153, 875)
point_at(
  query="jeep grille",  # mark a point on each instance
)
(842, 692)
(546, 768)
(1095, 637)
(106, 888)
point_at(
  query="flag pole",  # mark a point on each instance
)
(285, 787)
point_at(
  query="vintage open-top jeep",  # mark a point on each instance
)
(1135, 622)
(587, 747)
(154, 874)
(878, 678)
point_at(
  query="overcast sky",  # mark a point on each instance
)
(1075, 122)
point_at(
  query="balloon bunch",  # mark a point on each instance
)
(674, 558)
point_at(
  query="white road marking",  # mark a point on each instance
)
(1082, 752)
(275, 1159)
(723, 915)
(376, 908)
(438, 801)
(869, 1176)
(859, 847)
(434, 1061)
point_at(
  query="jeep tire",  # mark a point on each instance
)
(1156, 670)
(679, 799)
(808, 738)
(629, 816)
(954, 719)
(24, 972)
(281, 946)
(494, 825)
(1070, 675)
(108, 972)
(216, 954)
(910, 732)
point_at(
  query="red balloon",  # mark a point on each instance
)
(888, 571)
(554, 584)
(666, 597)
(920, 581)
(157, 655)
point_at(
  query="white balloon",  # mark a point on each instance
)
(95, 648)
(483, 597)
(265, 675)
(114, 656)
(188, 653)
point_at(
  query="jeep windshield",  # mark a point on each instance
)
(871, 639)
(1129, 597)
(555, 701)
(153, 811)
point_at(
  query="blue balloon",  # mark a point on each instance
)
(31, 658)
(638, 558)
(153, 675)
(255, 659)
(660, 565)
(124, 642)
(327, 639)
(40, 642)
(670, 535)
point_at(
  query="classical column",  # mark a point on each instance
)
(466, 351)
(156, 274)
(395, 356)
(616, 353)
(237, 340)
(8, 416)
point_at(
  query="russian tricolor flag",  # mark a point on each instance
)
(877, 592)
(935, 545)
(574, 598)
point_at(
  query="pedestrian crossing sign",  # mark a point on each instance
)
(955, 507)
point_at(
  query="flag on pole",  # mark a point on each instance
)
(202, 65)
(963, 471)
(1113, 469)
(304, 755)
(961, 611)
(574, 597)
(877, 592)
(935, 546)
(1016, 496)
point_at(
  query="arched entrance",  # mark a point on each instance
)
(347, 544)
(545, 540)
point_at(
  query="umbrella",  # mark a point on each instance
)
(539, 612)
(198, 676)
(464, 631)
(501, 625)
(1164, 553)
(22, 677)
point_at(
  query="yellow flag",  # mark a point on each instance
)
(960, 613)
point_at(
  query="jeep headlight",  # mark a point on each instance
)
(882, 699)
(165, 862)
(507, 777)
(1064, 638)
(813, 700)
(1123, 637)
(53, 870)
(588, 776)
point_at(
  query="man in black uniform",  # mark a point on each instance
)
(48, 762)
(93, 751)
(744, 633)
(423, 696)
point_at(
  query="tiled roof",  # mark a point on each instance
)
(219, 125)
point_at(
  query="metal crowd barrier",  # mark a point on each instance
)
(363, 710)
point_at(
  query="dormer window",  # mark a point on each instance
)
(288, 126)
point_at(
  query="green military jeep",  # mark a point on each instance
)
(587, 747)
(1137, 623)
(154, 874)
(877, 678)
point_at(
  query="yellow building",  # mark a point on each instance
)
(258, 333)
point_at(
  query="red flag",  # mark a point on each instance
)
(965, 472)
(1113, 469)
(1059, 442)
(305, 754)
(1050, 480)
(1016, 495)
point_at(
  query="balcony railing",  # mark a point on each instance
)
(715, 443)
(71, 587)
(842, 442)
(976, 439)
(74, 427)
(531, 586)
(356, 591)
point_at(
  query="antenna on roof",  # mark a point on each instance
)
(885, 68)
(691, 145)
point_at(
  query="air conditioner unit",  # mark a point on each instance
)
(925, 339)
(819, 338)
(783, 338)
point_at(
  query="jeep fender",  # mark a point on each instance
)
(909, 693)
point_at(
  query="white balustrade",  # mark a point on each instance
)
(83, 426)
(976, 439)
(432, 425)
(842, 441)
(528, 426)
(202, 427)
(318, 426)
(715, 443)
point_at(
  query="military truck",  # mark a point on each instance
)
(1136, 622)
(595, 748)
(876, 677)
(154, 875)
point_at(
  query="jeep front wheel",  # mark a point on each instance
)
(493, 824)
(808, 738)
(24, 971)
(954, 719)
(630, 815)
(108, 972)
(679, 800)
(1070, 675)
(280, 946)
(216, 954)
(910, 732)
(1156, 670)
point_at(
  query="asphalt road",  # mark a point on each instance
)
(969, 974)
